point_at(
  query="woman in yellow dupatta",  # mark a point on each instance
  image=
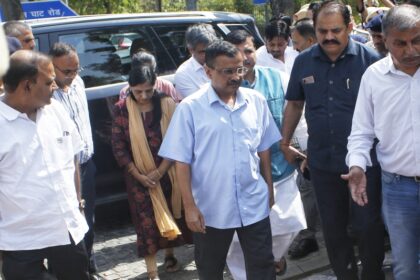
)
(139, 125)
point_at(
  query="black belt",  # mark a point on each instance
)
(415, 178)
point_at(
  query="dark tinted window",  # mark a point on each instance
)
(105, 55)
(233, 27)
(173, 37)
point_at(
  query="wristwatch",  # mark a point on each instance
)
(82, 204)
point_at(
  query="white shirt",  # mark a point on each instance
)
(387, 107)
(189, 78)
(38, 202)
(75, 103)
(266, 59)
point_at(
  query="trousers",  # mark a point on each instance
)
(401, 209)
(212, 247)
(68, 262)
(87, 174)
(337, 211)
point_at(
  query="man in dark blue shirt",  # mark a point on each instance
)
(326, 77)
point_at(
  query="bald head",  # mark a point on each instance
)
(24, 65)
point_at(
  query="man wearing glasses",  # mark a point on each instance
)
(287, 217)
(222, 159)
(71, 94)
(22, 32)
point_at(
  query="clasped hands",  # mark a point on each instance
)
(148, 180)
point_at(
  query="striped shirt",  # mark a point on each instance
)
(75, 103)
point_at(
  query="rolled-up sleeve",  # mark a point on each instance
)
(294, 88)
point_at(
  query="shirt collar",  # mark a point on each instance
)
(196, 65)
(286, 54)
(8, 112)
(351, 49)
(212, 96)
(257, 73)
(72, 86)
(389, 67)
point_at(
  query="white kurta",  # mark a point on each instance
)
(287, 218)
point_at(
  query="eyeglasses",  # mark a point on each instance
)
(27, 40)
(69, 72)
(231, 71)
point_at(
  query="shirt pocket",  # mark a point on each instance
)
(349, 86)
(315, 95)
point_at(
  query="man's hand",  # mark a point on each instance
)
(271, 201)
(194, 219)
(290, 153)
(303, 165)
(357, 185)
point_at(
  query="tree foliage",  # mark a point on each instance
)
(261, 13)
(11, 9)
(129, 6)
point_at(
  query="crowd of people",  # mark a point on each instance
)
(247, 156)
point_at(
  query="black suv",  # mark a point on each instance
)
(103, 44)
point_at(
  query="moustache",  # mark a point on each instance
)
(411, 58)
(332, 42)
(234, 83)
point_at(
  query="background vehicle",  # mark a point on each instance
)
(103, 44)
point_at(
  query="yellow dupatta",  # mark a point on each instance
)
(144, 162)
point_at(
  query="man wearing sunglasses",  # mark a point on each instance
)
(71, 94)
(22, 32)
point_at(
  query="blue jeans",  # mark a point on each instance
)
(401, 209)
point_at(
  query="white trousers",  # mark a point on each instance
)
(235, 258)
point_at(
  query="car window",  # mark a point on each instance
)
(232, 27)
(105, 55)
(173, 37)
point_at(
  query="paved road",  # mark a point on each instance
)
(116, 257)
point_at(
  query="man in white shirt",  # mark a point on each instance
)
(276, 53)
(388, 108)
(40, 187)
(190, 75)
(71, 94)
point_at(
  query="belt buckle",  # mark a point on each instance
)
(417, 179)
